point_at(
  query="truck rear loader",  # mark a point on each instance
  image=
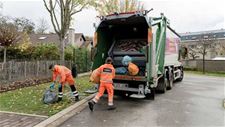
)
(151, 43)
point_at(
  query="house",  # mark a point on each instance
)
(37, 39)
(216, 48)
(88, 44)
(72, 38)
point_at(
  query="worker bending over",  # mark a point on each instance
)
(63, 75)
(107, 73)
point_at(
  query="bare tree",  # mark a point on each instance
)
(193, 53)
(205, 45)
(42, 26)
(220, 49)
(105, 7)
(62, 22)
(24, 25)
(8, 34)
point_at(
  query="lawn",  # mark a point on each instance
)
(217, 74)
(29, 100)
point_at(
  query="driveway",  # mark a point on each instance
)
(196, 101)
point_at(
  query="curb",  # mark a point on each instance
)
(65, 114)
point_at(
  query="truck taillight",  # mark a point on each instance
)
(95, 39)
(149, 35)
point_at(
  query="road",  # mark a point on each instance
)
(196, 101)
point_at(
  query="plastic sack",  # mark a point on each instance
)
(121, 70)
(95, 77)
(49, 97)
(133, 69)
(126, 60)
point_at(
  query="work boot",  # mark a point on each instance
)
(91, 105)
(77, 98)
(111, 107)
(59, 99)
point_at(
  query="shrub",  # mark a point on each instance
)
(79, 56)
(46, 52)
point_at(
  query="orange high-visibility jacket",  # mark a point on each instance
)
(61, 71)
(107, 73)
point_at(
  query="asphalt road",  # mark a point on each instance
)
(196, 101)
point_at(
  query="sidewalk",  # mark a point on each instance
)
(10, 119)
(13, 119)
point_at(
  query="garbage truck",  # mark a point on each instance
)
(151, 43)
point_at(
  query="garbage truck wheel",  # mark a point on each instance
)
(161, 85)
(150, 96)
(181, 75)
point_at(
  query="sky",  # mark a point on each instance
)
(184, 15)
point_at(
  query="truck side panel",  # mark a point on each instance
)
(160, 32)
(172, 48)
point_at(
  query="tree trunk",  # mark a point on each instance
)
(203, 64)
(74, 55)
(62, 47)
(5, 51)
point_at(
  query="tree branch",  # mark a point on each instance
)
(54, 15)
(46, 6)
(51, 15)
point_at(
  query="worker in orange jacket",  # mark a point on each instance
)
(63, 75)
(107, 73)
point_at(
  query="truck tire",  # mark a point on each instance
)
(150, 96)
(161, 85)
(181, 75)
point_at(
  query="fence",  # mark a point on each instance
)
(210, 65)
(17, 71)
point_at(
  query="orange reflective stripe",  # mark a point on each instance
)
(106, 81)
(107, 73)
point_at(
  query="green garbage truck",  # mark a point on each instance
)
(151, 43)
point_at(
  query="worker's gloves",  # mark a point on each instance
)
(60, 86)
(52, 86)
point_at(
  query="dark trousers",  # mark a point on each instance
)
(73, 90)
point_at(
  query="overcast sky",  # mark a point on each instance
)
(184, 15)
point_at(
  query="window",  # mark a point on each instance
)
(214, 35)
(42, 38)
(206, 36)
(193, 38)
